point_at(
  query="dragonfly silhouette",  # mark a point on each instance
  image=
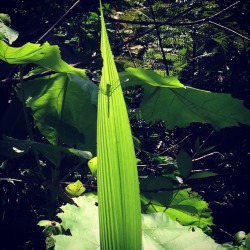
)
(109, 90)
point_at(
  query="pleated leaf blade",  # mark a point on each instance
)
(117, 177)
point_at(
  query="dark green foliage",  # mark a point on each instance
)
(202, 55)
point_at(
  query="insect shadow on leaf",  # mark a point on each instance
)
(109, 91)
(192, 229)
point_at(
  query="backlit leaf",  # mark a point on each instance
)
(92, 163)
(63, 109)
(117, 178)
(75, 189)
(9, 34)
(165, 98)
(186, 207)
(45, 55)
(159, 231)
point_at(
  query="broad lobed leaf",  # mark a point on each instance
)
(183, 206)
(14, 148)
(45, 55)
(8, 34)
(64, 108)
(159, 231)
(165, 98)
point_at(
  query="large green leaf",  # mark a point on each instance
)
(64, 109)
(45, 55)
(117, 177)
(9, 34)
(142, 76)
(166, 99)
(83, 223)
(62, 105)
(159, 231)
(186, 207)
(13, 148)
(5, 18)
(190, 209)
(162, 233)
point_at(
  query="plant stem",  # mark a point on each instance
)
(27, 121)
(71, 171)
(159, 39)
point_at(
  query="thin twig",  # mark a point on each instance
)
(16, 80)
(223, 231)
(9, 179)
(127, 47)
(71, 171)
(204, 156)
(159, 39)
(204, 142)
(170, 23)
(175, 145)
(230, 30)
(58, 21)
(164, 189)
(194, 40)
(153, 22)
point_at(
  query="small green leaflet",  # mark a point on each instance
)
(92, 164)
(75, 189)
(184, 163)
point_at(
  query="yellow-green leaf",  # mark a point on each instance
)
(118, 185)
(92, 163)
(75, 189)
(45, 55)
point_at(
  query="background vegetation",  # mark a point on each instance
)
(204, 43)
